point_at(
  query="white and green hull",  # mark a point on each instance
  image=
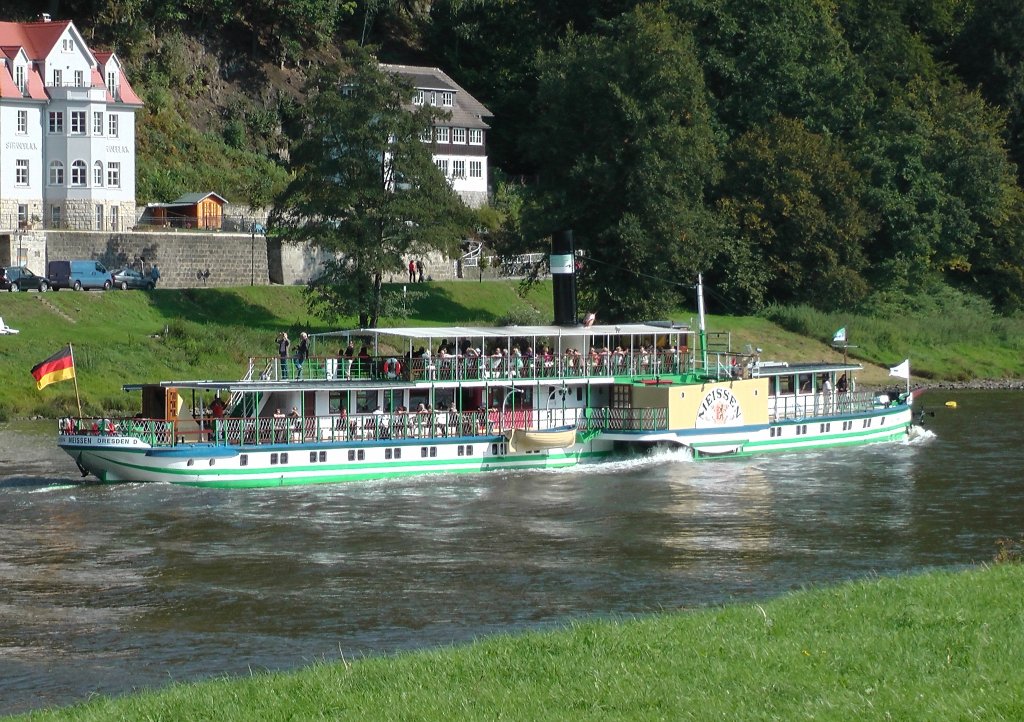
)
(210, 465)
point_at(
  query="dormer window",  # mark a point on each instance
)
(112, 83)
(447, 98)
(19, 77)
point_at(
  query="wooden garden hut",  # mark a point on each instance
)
(192, 210)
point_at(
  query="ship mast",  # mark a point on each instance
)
(701, 325)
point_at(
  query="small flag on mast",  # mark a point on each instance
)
(902, 371)
(840, 336)
(59, 367)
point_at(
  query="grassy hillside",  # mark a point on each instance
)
(132, 337)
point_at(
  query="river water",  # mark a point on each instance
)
(113, 588)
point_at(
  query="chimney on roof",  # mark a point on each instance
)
(44, 17)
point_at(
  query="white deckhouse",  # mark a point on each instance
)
(67, 131)
(459, 146)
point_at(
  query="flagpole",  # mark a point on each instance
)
(908, 377)
(77, 397)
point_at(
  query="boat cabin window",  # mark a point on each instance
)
(336, 401)
(806, 383)
(786, 385)
(366, 401)
(419, 396)
(443, 398)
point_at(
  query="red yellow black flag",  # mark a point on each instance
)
(59, 367)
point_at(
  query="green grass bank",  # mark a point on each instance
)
(131, 337)
(936, 646)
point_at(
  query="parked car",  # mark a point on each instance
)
(19, 278)
(77, 275)
(125, 278)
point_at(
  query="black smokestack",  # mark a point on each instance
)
(563, 274)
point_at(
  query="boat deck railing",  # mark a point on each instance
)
(459, 368)
(292, 430)
(800, 406)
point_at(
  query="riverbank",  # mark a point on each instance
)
(942, 645)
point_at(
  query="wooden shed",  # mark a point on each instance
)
(192, 210)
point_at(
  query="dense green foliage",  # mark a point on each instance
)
(812, 151)
(942, 645)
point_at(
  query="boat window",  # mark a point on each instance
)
(785, 384)
(387, 453)
(351, 454)
(212, 462)
(323, 456)
(312, 456)
(423, 452)
(469, 449)
(462, 450)
(284, 458)
(366, 401)
(243, 460)
(191, 462)
(336, 401)
(433, 451)
(398, 453)
(806, 382)
(419, 396)
(443, 398)
(360, 455)
(273, 458)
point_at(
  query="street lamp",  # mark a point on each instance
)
(252, 267)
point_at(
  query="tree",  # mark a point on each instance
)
(625, 148)
(365, 189)
(795, 199)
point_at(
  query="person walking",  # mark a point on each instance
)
(419, 269)
(301, 354)
(412, 271)
(283, 345)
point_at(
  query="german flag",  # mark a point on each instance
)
(59, 367)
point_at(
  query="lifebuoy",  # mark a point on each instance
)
(391, 368)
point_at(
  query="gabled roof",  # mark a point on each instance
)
(37, 38)
(193, 198)
(189, 199)
(467, 111)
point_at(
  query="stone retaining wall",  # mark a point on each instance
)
(186, 259)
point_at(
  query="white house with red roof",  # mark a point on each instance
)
(459, 141)
(67, 131)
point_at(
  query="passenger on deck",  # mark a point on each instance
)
(841, 384)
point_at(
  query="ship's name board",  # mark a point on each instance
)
(107, 441)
